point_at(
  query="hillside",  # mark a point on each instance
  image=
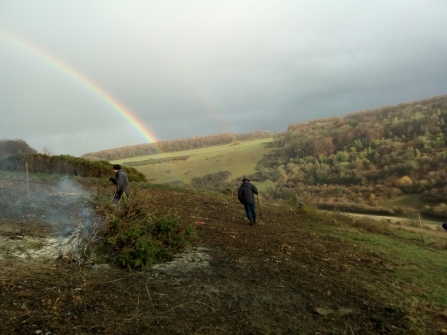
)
(365, 158)
(199, 167)
(385, 161)
(298, 271)
(164, 147)
(370, 161)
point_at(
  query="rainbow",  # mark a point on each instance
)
(204, 96)
(125, 112)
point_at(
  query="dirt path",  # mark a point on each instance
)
(433, 228)
(393, 219)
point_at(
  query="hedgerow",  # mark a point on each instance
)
(63, 164)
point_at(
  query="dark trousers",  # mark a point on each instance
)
(119, 194)
(251, 212)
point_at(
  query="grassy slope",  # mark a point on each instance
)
(418, 269)
(238, 159)
(365, 263)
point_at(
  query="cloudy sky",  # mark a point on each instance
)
(78, 76)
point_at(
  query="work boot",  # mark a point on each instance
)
(254, 222)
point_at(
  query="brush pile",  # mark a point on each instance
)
(133, 233)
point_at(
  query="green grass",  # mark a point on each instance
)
(417, 270)
(239, 159)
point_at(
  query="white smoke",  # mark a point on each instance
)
(62, 208)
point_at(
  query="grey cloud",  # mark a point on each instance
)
(193, 68)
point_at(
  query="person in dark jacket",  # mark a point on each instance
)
(121, 181)
(246, 196)
(444, 225)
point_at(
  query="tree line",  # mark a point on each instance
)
(212, 181)
(175, 145)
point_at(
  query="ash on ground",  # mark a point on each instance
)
(27, 246)
(186, 261)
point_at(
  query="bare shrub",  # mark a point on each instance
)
(440, 209)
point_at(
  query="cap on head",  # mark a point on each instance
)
(117, 167)
(245, 179)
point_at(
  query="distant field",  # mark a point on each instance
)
(238, 159)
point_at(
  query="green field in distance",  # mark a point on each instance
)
(239, 159)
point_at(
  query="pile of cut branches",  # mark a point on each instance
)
(133, 233)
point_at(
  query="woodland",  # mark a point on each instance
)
(365, 157)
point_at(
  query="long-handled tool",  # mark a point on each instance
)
(259, 206)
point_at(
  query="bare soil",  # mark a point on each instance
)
(279, 277)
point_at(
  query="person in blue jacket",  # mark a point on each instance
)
(246, 196)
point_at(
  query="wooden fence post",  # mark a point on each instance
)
(27, 179)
